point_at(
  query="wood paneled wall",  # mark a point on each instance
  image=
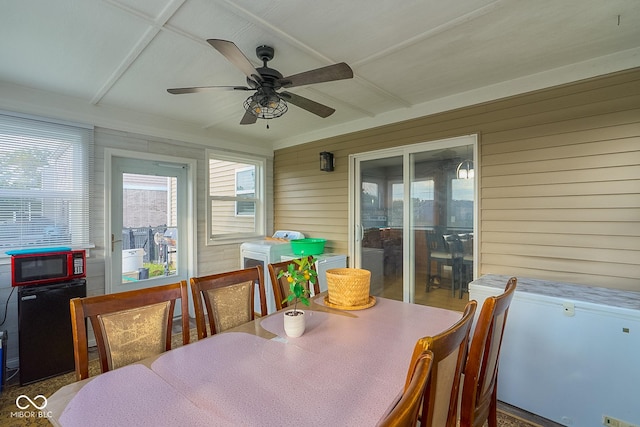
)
(559, 173)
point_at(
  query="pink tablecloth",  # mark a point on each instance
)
(258, 382)
(380, 339)
(343, 371)
(132, 396)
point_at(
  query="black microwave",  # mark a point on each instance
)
(37, 267)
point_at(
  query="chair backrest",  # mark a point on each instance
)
(479, 390)
(281, 286)
(435, 239)
(449, 355)
(128, 326)
(405, 413)
(453, 245)
(228, 298)
(467, 243)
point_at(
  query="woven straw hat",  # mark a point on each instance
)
(348, 289)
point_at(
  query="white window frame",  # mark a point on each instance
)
(259, 198)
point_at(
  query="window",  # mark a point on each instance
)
(396, 211)
(461, 204)
(422, 200)
(370, 196)
(44, 183)
(245, 188)
(235, 207)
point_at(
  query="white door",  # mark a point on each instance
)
(150, 242)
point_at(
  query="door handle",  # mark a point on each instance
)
(113, 242)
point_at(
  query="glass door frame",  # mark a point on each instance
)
(190, 240)
(408, 242)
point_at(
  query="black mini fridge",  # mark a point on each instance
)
(45, 340)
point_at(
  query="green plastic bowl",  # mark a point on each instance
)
(308, 246)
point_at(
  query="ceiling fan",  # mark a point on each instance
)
(267, 102)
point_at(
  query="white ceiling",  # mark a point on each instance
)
(110, 62)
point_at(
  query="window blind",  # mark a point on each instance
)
(45, 180)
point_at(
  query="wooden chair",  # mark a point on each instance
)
(479, 390)
(281, 286)
(405, 413)
(128, 326)
(228, 298)
(449, 350)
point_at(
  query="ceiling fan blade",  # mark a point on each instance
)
(230, 51)
(307, 104)
(248, 119)
(325, 74)
(181, 90)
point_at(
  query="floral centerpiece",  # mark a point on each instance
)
(300, 275)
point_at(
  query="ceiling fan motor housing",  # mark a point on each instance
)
(270, 77)
(265, 53)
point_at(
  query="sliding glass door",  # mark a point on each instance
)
(380, 223)
(404, 201)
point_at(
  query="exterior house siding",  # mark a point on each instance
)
(559, 180)
(223, 215)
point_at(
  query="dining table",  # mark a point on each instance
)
(348, 368)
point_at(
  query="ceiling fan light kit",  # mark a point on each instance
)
(265, 106)
(267, 103)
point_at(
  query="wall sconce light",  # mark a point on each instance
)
(326, 161)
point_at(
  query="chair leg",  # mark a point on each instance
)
(493, 412)
(468, 275)
(428, 274)
(454, 277)
(463, 278)
(431, 279)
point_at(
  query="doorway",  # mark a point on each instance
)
(149, 216)
(404, 203)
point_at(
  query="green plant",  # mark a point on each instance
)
(300, 275)
(154, 269)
